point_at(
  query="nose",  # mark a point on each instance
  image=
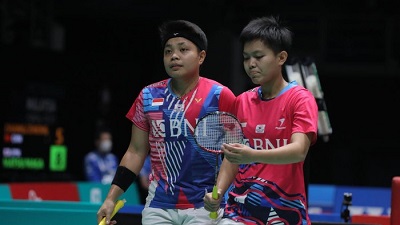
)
(252, 63)
(174, 56)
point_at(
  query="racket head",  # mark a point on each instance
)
(216, 128)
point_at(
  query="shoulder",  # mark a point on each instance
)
(214, 85)
(208, 81)
(159, 84)
(300, 92)
(162, 83)
(249, 93)
(151, 87)
(112, 155)
(300, 98)
(91, 156)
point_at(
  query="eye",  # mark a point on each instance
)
(184, 49)
(167, 51)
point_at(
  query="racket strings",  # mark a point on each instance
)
(214, 130)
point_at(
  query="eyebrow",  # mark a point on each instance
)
(251, 53)
(179, 44)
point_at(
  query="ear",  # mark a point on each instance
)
(202, 56)
(282, 57)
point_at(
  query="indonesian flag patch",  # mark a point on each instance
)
(157, 101)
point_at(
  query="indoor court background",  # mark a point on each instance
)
(91, 58)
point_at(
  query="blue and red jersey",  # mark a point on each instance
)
(182, 170)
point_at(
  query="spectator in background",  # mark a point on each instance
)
(100, 164)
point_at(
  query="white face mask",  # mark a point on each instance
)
(105, 146)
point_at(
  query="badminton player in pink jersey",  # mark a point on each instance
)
(164, 115)
(279, 121)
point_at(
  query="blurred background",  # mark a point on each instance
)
(70, 66)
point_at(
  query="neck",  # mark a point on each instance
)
(182, 87)
(268, 92)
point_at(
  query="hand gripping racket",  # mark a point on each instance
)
(211, 131)
(118, 206)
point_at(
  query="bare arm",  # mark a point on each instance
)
(137, 151)
(295, 151)
(133, 160)
(226, 175)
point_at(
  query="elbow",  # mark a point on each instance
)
(301, 156)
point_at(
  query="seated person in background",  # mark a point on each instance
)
(100, 164)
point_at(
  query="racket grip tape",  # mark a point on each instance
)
(118, 206)
(214, 215)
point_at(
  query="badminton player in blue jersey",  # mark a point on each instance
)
(164, 115)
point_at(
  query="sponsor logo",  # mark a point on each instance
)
(179, 107)
(260, 128)
(280, 124)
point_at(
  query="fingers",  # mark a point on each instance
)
(211, 204)
(232, 154)
(100, 216)
(233, 148)
(103, 220)
(105, 213)
(229, 150)
(106, 221)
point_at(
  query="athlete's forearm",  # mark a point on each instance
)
(114, 193)
(133, 161)
(294, 152)
(226, 175)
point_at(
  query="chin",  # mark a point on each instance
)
(256, 81)
(174, 74)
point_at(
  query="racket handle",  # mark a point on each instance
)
(214, 215)
(118, 206)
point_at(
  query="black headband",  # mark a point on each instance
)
(193, 38)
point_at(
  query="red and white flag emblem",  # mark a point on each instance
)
(157, 101)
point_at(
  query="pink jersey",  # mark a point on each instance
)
(265, 193)
(182, 170)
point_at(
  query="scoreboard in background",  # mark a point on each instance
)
(33, 144)
(33, 147)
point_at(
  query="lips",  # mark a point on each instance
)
(253, 73)
(175, 66)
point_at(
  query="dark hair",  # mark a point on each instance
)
(270, 31)
(185, 29)
(99, 131)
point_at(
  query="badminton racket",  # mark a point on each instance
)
(119, 204)
(211, 131)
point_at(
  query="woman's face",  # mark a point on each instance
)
(261, 64)
(182, 58)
